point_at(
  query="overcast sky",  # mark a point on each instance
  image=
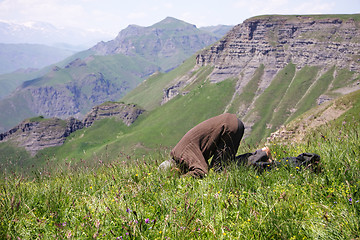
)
(111, 16)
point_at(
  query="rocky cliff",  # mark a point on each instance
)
(124, 112)
(282, 66)
(38, 133)
(275, 41)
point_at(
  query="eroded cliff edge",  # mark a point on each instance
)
(276, 41)
(38, 133)
(305, 60)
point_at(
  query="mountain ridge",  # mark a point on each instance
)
(157, 42)
(105, 72)
(264, 96)
(284, 63)
(29, 56)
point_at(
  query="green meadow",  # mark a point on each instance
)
(127, 198)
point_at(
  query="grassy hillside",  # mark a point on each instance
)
(10, 81)
(158, 129)
(118, 72)
(290, 94)
(13, 109)
(117, 68)
(132, 200)
(149, 93)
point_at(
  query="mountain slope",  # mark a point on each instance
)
(340, 111)
(219, 30)
(166, 43)
(282, 65)
(105, 72)
(305, 60)
(17, 56)
(160, 128)
(266, 89)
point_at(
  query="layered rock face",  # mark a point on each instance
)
(127, 113)
(39, 133)
(282, 66)
(275, 41)
(35, 135)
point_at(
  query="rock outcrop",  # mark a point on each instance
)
(127, 113)
(281, 65)
(275, 41)
(38, 133)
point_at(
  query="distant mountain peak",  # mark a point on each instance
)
(156, 40)
(168, 18)
(130, 26)
(171, 22)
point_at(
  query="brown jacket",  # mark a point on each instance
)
(218, 137)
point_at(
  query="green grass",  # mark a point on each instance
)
(319, 87)
(13, 158)
(129, 199)
(154, 130)
(9, 82)
(289, 95)
(83, 144)
(266, 103)
(343, 77)
(149, 93)
(247, 95)
(295, 92)
(37, 119)
(13, 110)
